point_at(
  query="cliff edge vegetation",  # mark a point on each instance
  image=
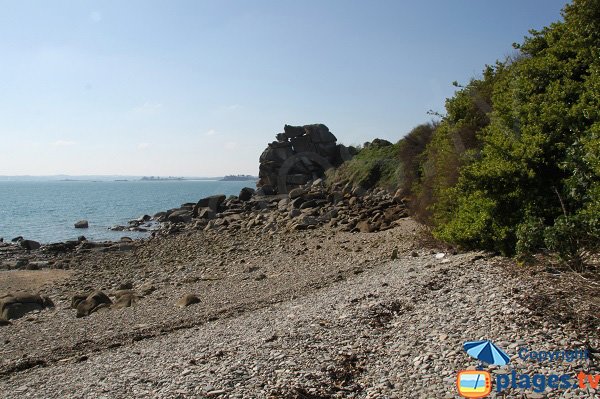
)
(513, 165)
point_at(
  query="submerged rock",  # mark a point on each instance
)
(82, 224)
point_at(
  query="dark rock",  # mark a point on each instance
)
(246, 194)
(293, 131)
(297, 192)
(77, 299)
(61, 247)
(213, 202)
(29, 244)
(82, 224)
(81, 238)
(180, 216)
(14, 306)
(32, 266)
(159, 216)
(92, 303)
(308, 204)
(17, 239)
(303, 144)
(297, 202)
(294, 213)
(320, 133)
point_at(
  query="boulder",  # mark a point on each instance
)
(246, 194)
(14, 306)
(180, 216)
(160, 216)
(82, 224)
(293, 131)
(206, 213)
(213, 202)
(29, 244)
(92, 303)
(300, 154)
(297, 192)
(320, 133)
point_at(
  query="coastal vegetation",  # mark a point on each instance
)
(513, 165)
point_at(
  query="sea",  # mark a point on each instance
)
(46, 211)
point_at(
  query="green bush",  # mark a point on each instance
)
(390, 166)
(537, 170)
(514, 165)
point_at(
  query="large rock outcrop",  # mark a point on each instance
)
(300, 154)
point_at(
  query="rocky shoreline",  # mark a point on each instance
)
(267, 298)
(325, 291)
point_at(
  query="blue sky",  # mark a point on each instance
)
(198, 88)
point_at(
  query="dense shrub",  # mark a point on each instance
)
(514, 165)
(386, 165)
(534, 182)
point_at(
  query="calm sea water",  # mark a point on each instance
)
(46, 211)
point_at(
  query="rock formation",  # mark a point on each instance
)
(299, 155)
(14, 306)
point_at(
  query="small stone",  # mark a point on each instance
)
(187, 300)
(82, 224)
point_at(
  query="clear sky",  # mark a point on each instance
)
(198, 88)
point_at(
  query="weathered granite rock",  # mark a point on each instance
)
(213, 202)
(301, 154)
(82, 224)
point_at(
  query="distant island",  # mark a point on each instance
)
(158, 178)
(239, 178)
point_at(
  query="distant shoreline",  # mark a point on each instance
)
(122, 178)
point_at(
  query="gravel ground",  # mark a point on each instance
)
(311, 314)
